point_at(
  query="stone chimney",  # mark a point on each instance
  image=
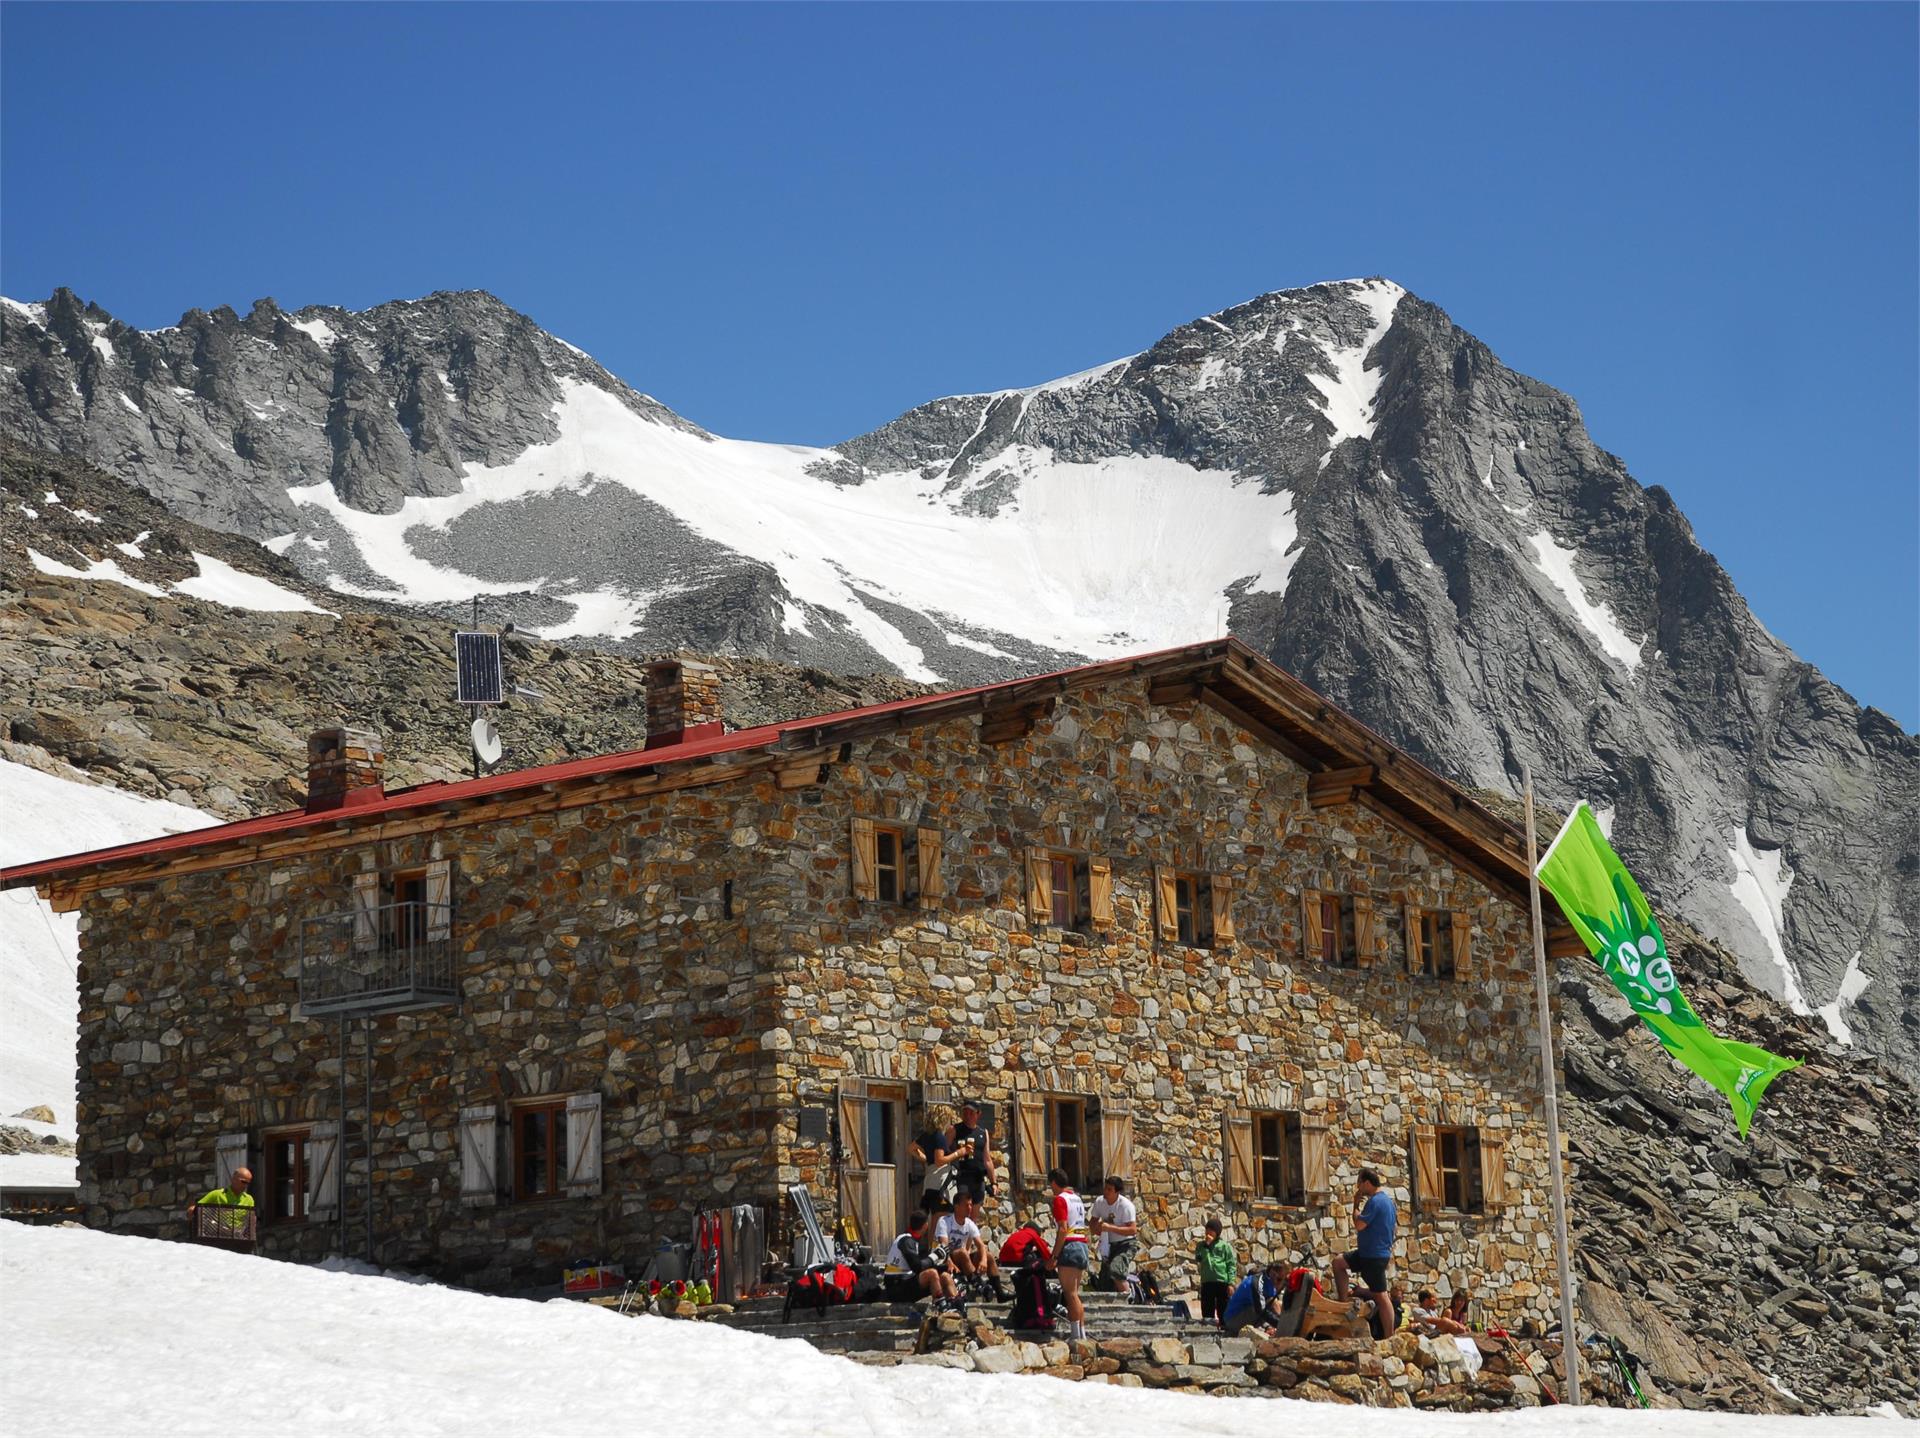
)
(343, 769)
(683, 702)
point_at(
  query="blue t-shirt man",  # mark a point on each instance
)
(1374, 1221)
(1249, 1302)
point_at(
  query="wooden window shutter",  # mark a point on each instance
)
(439, 899)
(1039, 886)
(323, 1169)
(583, 1145)
(1222, 887)
(366, 911)
(1429, 1196)
(1312, 934)
(1493, 1169)
(479, 1155)
(1237, 1141)
(853, 1158)
(1413, 938)
(1116, 1136)
(1363, 932)
(932, 881)
(1316, 1174)
(866, 861)
(1030, 1140)
(1462, 937)
(1100, 891)
(229, 1153)
(1166, 904)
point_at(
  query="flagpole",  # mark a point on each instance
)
(1549, 1071)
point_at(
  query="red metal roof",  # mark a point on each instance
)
(433, 795)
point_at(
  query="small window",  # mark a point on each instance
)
(1062, 890)
(539, 1150)
(1193, 909)
(283, 1197)
(889, 864)
(1278, 1162)
(1435, 937)
(880, 1135)
(1460, 1184)
(1339, 945)
(1067, 1136)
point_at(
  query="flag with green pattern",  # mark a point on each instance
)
(1607, 909)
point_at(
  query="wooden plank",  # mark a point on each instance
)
(1337, 786)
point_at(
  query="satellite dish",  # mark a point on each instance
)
(486, 741)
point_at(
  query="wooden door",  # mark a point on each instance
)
(886, 1197)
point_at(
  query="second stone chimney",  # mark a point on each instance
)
(343, 769)
(683, 702)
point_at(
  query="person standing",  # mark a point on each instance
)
(1117, 1226)
(1070, 1256)
(234, 1198)
(972, 1154)
(932, 1149)
(1375, 1220)
(1218, 1263)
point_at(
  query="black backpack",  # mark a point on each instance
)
(1032, 1298)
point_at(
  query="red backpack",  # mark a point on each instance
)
(822, 1286)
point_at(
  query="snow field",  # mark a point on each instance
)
(1760, 883)
(42, 816)
(1099, 559)
(1556, 562)
(130, 1335)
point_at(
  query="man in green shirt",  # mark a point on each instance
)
(234, 1198)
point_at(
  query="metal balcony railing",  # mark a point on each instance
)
(380, 958)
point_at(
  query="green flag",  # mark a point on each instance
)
(1609, 912)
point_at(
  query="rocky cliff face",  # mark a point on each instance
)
(1339, 473)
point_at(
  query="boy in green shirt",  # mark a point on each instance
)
(1219, 1265)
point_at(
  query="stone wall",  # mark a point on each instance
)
(596, 953)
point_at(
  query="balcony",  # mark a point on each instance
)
(379, 958)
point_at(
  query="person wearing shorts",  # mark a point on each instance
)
(1071, 1256)
(1374, 1221)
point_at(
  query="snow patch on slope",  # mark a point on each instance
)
(317, 329)
(1761, 880)
(1348, 397)
(108, 569)
(1099, 558)
(1556, 562)
(39, 1006)
(221, 583)
(1853, 983)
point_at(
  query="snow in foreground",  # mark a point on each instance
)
(130, 1335)
(41, 817)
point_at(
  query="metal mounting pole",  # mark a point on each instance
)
(1549, 1075)
(366, 1033)
(340, 1146)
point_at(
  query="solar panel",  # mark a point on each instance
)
(477, 657)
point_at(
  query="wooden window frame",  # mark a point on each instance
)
(555, 1183)
(1286, 1159)
(1339, 943)
(1056, 1103)
(1461, 1178)
(899, 869)
(1433, 941)
(1069, 888)
(395, 890)
(1193, 913)
(270, 1173)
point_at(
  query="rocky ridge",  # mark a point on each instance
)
(1340, 474)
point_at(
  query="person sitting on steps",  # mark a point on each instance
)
(973, 1259)
(911, 1271)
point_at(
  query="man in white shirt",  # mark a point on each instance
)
(959, 1231)
(1113, 1218)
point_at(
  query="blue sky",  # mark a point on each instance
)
(792, 223)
